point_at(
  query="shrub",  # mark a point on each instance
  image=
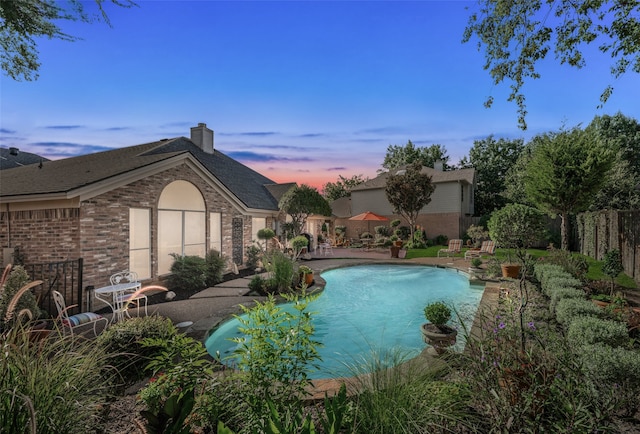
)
(616, 368)
(179, 365)
(574, 264)
(590, 330)
(560, 292)
(254, 254)
(123, 341)
(18, 278)
(569, 309)
(476, 262)
(441, 240)
(381, 231)
(280, 268)
(59, 386)
(257, 284)
(266, 234)
(557, 281)
(402, 232)
(188, 273)
(275, 361)
(394, 223)
(612, 265)
(542, 271)
(437, 313)
(215, 266)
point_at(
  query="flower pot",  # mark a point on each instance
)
(395, 250)
(511, 270)
(438, 339)
(398, 243)
(308, 279)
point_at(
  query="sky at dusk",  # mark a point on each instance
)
(300, 91)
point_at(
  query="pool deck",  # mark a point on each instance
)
(209, 307)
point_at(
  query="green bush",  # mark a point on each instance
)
(215, 266)
(254, 253)
(281, 270)
(616, 371)
(589, 330)
(568, 309)
(123, 341)
(437, 313)
(275, 362)
(17, 279)
(559, 293)
(59, 386)
(556, 281)
(188, 273)
(574, 264)
(543, 271)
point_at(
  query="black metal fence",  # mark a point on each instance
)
(64, 277)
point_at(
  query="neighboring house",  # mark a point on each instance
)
(451, 202)
(13, 157)
(131, 208)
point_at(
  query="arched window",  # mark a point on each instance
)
(181, 223)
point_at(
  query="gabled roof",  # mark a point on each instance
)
(13, 157)
(70, 176)
(437, 177)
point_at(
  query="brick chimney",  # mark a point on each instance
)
(203, 137)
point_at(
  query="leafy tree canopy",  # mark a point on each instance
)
(566, 170)
(492, 159)
(621, 189)
(302, 201)
(398, 156)
(342, 187)
(23, 21)
(409, 192)
(516, 35)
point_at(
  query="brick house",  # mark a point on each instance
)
(451, 201)
(131, 208)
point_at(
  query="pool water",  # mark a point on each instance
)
(373, 309)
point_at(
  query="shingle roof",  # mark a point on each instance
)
(66, 175)
(437, 176)
(21, 158)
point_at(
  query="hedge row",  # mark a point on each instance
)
(602, 343)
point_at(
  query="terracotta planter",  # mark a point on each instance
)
(395, 250)
(398, 243)
(511, 270)
(308, 279)
(436, 338)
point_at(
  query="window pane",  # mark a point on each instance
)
(169, 238)
(139, 228)
(194, 227)
(181, 195)
(215, 220)
(256, 225)
(140, 263)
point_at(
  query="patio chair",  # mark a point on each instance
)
(454, 247)
(73, 322)
(487, 248)
(129, 276)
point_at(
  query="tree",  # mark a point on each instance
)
(492, 159)
(22, 21)
(398, 156)
(621, 134)
(566, 170)
(516, 35)
(409, 192)
(342, 187)
(300, 202)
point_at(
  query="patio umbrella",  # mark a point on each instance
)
(369, 216)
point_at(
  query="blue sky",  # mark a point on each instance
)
(299, 90)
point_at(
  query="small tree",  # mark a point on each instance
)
(612, 266)
(300, 202)
(409, 192)
(265, 234)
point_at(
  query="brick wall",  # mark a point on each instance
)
(99, 230)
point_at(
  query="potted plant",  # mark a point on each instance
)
(436, 332)
(306, 274)
(516, 227)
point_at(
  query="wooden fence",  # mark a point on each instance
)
(601, 231)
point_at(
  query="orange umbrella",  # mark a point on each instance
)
(369, 216)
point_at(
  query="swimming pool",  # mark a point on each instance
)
(373, 308)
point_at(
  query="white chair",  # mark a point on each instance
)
(78, 320)
(129, 277)
(327, 249)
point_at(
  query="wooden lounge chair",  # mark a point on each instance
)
(487, 248)
(455, 246)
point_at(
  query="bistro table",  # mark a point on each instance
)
(117, 293)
